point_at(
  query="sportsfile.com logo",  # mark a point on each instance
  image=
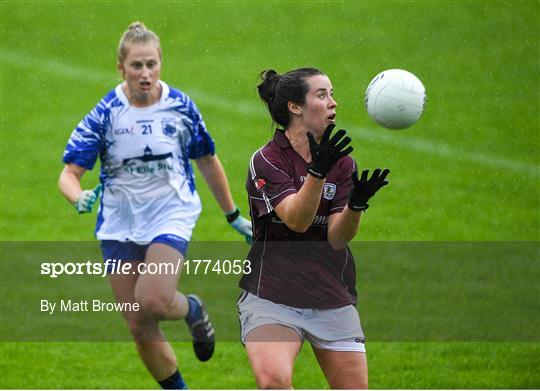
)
(114, 266)
(109, 266)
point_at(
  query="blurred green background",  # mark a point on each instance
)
(467, 171)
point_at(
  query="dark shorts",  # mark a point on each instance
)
(131, 251)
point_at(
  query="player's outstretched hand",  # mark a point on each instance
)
(325, 154)
(86, 199)
(241, 225)
(364, 188)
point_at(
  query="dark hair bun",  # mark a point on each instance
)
(267, 89)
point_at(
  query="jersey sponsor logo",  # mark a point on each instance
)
(329, 191)
(169, 126)
(320, 220)
(148, 163)
(148, 156)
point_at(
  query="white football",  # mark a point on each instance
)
(395, 99)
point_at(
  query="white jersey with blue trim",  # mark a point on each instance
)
(147, 178)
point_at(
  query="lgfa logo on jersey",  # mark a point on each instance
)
(169, 126)
(122, 131)
(329, 191)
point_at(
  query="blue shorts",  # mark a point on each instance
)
(131, 251)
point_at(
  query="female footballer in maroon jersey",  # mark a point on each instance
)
(306, 202)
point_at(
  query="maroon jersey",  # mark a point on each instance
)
(300, 270)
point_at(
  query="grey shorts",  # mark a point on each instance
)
(335, 329)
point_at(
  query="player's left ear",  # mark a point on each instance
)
(294, 108)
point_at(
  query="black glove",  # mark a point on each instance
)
(325, 154)
(364, 189)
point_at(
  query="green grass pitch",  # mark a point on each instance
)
(468, 171)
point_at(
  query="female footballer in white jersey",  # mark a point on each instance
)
(145, 134)
(306, 202)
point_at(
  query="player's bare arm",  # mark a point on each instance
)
(70, 186)
(214, 175)
(69, 181)
(298, 210)
(343, 227)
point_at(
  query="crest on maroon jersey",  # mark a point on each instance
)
(329, 191)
